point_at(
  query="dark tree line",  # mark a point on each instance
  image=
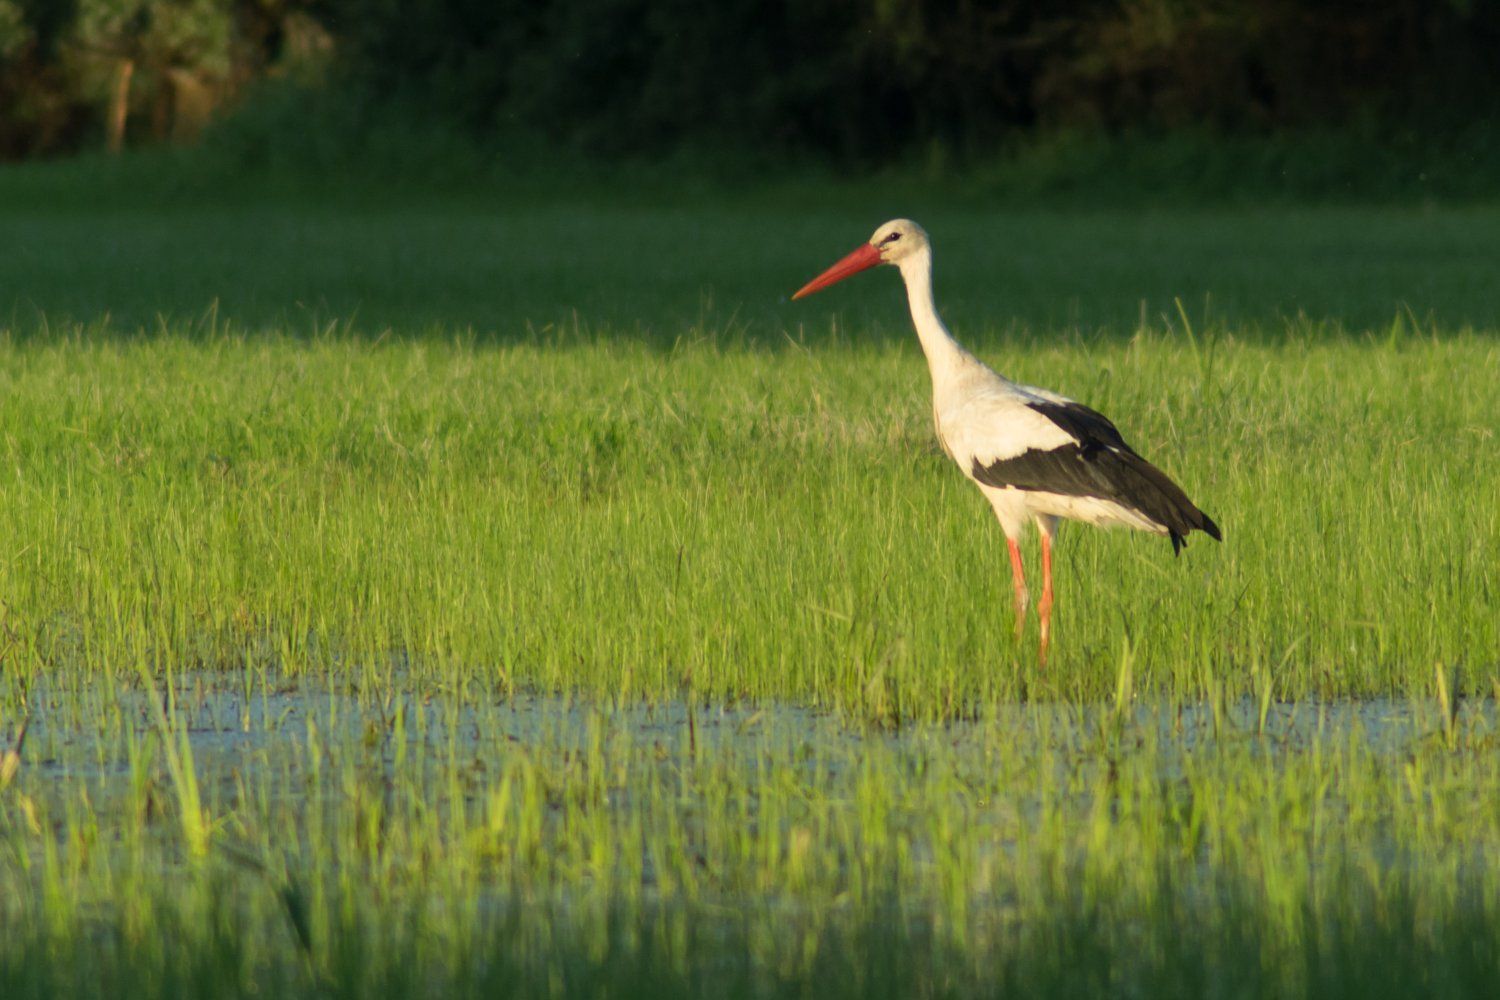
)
(856, 80)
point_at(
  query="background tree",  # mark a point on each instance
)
(173, 44)
(72, 68)
(861, 79)
(853, 81)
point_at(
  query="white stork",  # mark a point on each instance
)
(1035, 455)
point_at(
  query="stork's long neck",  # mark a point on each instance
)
(945, 356)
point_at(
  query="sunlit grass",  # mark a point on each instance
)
(731, 522)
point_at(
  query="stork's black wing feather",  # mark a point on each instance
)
(1098, 463)
(1087, 426)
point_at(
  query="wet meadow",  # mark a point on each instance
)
(464, 595)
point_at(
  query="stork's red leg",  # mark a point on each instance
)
(1018, 577)
(1044, 607)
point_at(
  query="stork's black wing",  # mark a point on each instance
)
(1098, 463)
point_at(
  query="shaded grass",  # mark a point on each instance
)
(615, 262)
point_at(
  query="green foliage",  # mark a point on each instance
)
(180, 33)
(294, 137)
(157, 36)
(867, 83)
(865, 80)
(60, 61)
(14, 31)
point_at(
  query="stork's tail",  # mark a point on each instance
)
(1199, 522)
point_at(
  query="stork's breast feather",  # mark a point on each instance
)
(993, 427)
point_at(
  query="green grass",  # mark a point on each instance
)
(624, 263)
(424, 462)
(734, 522)
(454, 844)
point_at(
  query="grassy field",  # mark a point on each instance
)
(622, 264)
(470, 596)
(731, 522)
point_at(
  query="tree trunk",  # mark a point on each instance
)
(119, 105)
(161, 108)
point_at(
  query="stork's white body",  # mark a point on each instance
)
(1037, 456)
(982, 417)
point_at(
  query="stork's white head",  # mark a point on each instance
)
(898, 240)
(894, 242)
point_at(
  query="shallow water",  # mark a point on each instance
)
(496, 802)
(89, 734)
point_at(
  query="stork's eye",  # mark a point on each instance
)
(890, 239)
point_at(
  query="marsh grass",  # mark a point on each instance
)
(570, 848)
(734, 522)
(441, 613)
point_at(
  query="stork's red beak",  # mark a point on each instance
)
(862, 259)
